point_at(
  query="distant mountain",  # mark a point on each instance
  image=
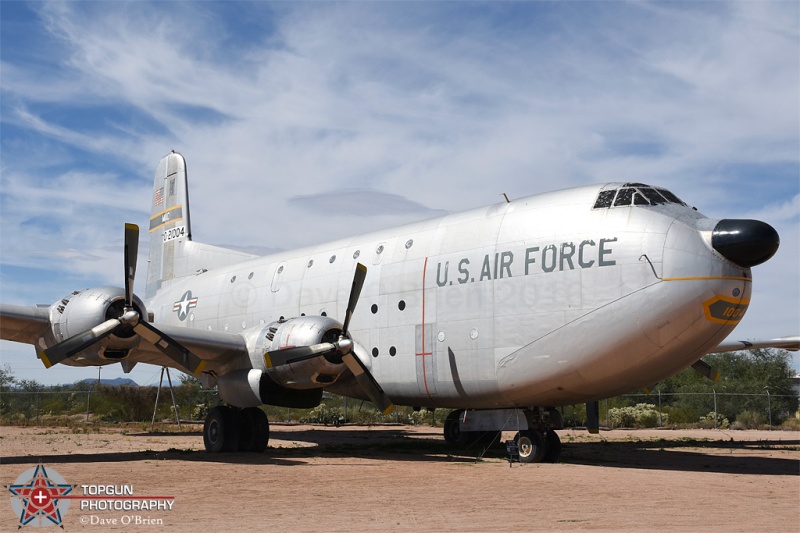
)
(116, 382)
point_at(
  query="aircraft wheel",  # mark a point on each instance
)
(452, 431)
(552, 445)
(531, 446)
(221, 431)
(253, 430)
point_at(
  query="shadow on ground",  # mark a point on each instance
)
(300, 446)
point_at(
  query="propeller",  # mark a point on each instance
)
(344, 346)
(128, 319)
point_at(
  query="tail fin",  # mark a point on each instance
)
(170, 224)
(173, 254)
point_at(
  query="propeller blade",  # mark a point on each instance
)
(368, 383)
(170, 347)
(355, 293)
(288, 356)
(131, 254)
(704, 369)
(69, 347)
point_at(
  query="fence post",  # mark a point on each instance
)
(88, 398)
(660, 420)
(715, 408)
(769, 408)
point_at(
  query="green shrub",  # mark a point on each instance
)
(749, 420)
(707, 422)
(791, 424)
(642, 415)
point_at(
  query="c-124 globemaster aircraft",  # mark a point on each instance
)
(500, 313)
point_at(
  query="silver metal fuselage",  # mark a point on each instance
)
(541, 301)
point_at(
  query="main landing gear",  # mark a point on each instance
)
(536, 439)
(230, 429)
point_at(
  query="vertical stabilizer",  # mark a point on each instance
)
(170, 226)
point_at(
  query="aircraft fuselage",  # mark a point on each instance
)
(546, 300)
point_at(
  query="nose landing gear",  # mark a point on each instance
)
(535, 442)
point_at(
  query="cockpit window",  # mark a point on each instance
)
(635, 194)
(624, 197)
(605, 199)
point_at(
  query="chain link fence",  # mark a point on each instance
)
(189, 404)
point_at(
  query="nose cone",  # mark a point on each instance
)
(745, 242)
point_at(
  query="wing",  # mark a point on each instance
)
(30, 324)
(21, 323)
(217, 349)
(787, 343)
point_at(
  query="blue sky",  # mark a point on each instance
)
(412, 108)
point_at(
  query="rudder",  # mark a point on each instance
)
(170, 224)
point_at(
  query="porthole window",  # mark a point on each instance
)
(310, 263)
(374, 308)
(379, 250)
(280, 269)
(332, 259)
(250, 276)
(233, 279)
(409, 243)
(375, 352)
(356, 254)
(324, 313)
(392, 351)
(401, 305)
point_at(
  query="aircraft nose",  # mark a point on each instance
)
(745, 242)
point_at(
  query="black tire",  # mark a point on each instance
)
(452, 431)
(253, 430)
(214, 430)
(552, 445)
(231, 429)
(531, 446)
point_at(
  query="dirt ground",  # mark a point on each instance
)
(404, 478)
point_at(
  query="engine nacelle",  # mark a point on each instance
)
(83, 310)
(302, 331)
